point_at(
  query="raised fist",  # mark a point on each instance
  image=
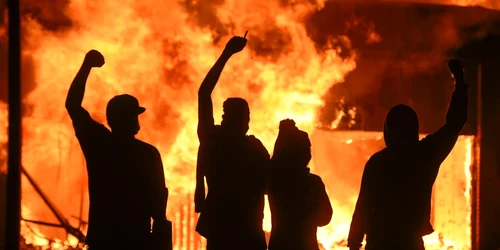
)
(236, 44)
(456, 68)
(94, 59)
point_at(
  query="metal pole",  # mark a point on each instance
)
(13, 223)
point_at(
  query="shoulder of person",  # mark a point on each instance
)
(378, 155)
(427, 140)
(375, 160)
(256, 143)
(96, 130)
(97, 126)
(150, 148)
(316, 180)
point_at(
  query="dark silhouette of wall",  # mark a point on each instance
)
(3, 180)
(483, 55)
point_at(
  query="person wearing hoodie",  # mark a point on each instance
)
(298, 199)
(394, 203)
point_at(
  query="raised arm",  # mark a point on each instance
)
(205, 108)
(205, 112)
(77, 89)
(457, 114)
(442, 141)
(199, 194)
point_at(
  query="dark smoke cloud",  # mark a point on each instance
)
(202, 14)
(271, 42)
(51, 15)
(407, 64)
(491, 4)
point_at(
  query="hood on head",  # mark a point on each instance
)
(292, 147)
(401, 126)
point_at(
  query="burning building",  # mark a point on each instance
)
(335, 67)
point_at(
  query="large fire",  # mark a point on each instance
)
(160, 51)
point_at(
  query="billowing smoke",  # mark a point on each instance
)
(402, 49)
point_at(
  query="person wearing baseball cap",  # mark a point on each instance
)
(126, 178)
(122, 113)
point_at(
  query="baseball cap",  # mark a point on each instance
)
(124, 104)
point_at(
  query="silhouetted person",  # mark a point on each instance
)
(394, 203)
(233, 164)
(126, 181)
(298, 199)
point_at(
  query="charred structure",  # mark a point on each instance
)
(383, 54)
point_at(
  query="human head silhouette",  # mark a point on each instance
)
(401, 126)
(122, 113)
(293, 147)
(236, 117)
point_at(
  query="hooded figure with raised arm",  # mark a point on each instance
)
(394, 204)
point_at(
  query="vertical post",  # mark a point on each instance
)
(14, 175)
(475, 220)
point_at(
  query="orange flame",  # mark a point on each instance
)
(162, 61)
(160, 52)
(4, 123)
